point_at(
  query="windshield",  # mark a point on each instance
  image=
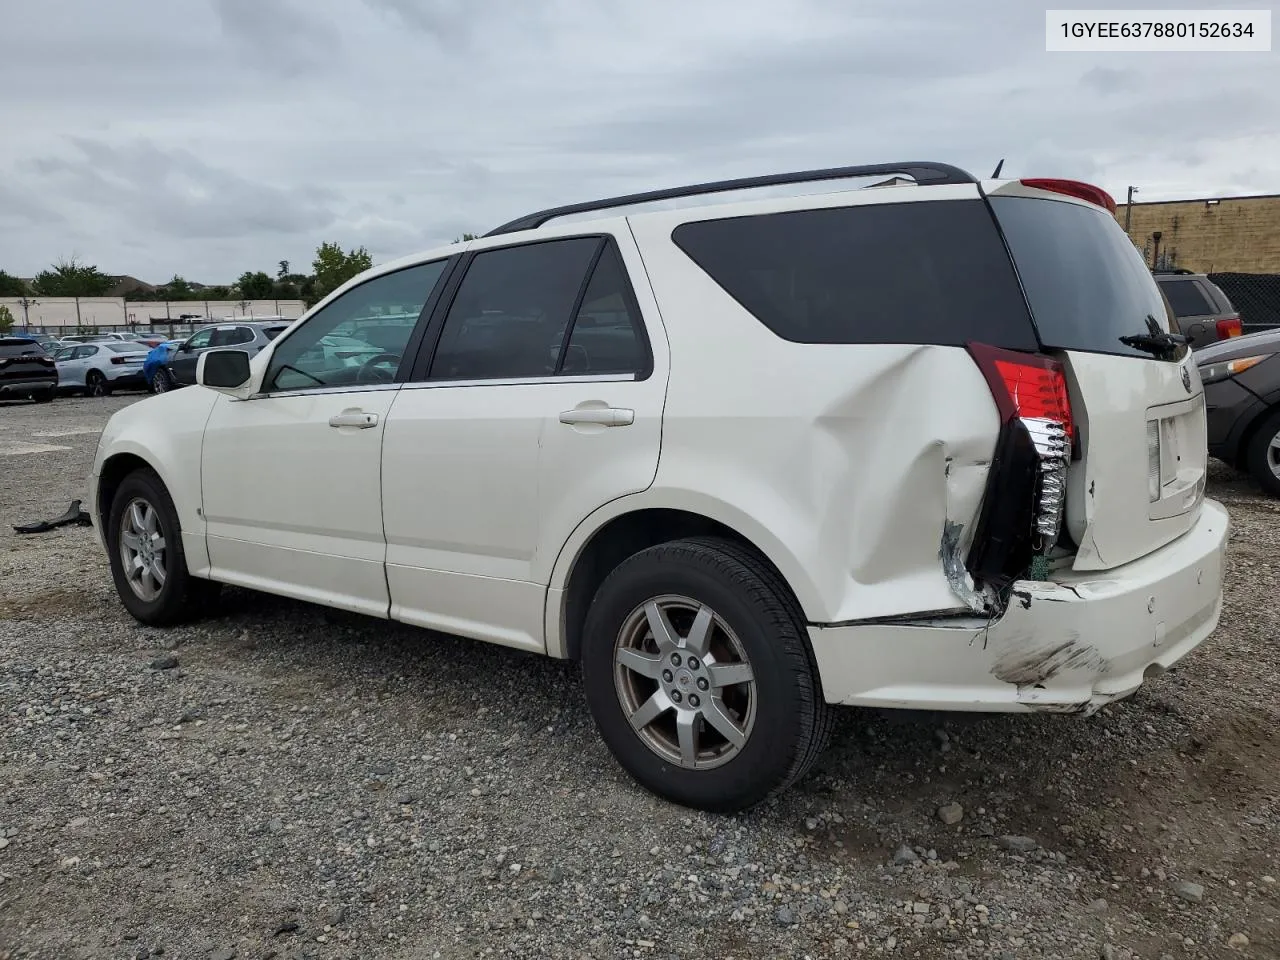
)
(1085, 281)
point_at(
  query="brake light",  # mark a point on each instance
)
(1026, 386)
(117, 360)
(1229, 327)
(1074, 188)
(1030, 391)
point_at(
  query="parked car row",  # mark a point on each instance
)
(39, 368)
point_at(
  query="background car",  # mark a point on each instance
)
(92, 337)
(95, 369)
(26, 370)
(250, 336)
(153, 368)
(1202, 311)
(1241, 380)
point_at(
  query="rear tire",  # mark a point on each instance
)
(741, 715)
(45, 396)
(96, 385)
(1263, 456)
(162, 382)
(148, 565)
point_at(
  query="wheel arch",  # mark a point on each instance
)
(624, 527)
(124, 457)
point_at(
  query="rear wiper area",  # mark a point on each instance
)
(1165, 346)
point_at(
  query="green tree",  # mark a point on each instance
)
(333, 268)
(71, 278)
(11, 286)
(255, 286)
(178, 289)
(466, 237)
(6, 320)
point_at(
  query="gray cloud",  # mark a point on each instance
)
(275, 36)
(212, 137)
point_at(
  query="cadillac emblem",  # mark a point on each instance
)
(1186, 378)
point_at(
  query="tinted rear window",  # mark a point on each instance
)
(1085, 281)
(126, 347)
(923, 272)
(20, 348)
(1186, 298)
(272, 332)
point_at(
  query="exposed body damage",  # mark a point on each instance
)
(868, 467)
(1068, 646)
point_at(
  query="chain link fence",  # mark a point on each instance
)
(1255, 295)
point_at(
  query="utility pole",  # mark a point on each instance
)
(1155, 253)
(1128, 209)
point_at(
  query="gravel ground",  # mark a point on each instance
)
(286, 782)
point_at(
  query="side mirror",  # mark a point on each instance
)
(226, 371)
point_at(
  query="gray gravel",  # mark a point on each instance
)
(283, 781)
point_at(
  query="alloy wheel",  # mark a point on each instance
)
(684, 682)
(142, 549)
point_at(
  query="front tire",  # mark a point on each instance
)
(699, 675)
(1263, 456)
(148, 565)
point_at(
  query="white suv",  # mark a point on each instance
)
(929, 447)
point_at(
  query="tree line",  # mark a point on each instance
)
(332, 267)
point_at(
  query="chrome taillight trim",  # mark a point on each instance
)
(1053, 447)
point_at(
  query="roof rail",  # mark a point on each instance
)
(922, 171)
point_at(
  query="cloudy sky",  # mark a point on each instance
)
(210, 137)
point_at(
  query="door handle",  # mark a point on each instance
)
(605, 416)
(354, 418)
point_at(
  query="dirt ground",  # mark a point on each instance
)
(294, 783)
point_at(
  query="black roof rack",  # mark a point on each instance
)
(922, 171)
(1180, 271)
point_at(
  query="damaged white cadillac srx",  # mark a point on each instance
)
(931, 447)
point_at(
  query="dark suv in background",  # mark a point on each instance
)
(26, 370)
(1241, 379)
(1203, 312)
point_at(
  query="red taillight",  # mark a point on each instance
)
(117, 360)
(1074, 188)
(1025, 385)
(1229, 327)
(1030, 391)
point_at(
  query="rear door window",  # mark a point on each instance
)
(920, 272)
(1085, 281)
(1186, 298)
(513, 310)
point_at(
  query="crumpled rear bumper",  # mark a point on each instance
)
(1069, 645)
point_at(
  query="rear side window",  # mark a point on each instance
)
(1186, 298)
(923, 272)
(231, 337)
(1085, 281)
(272, 332)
